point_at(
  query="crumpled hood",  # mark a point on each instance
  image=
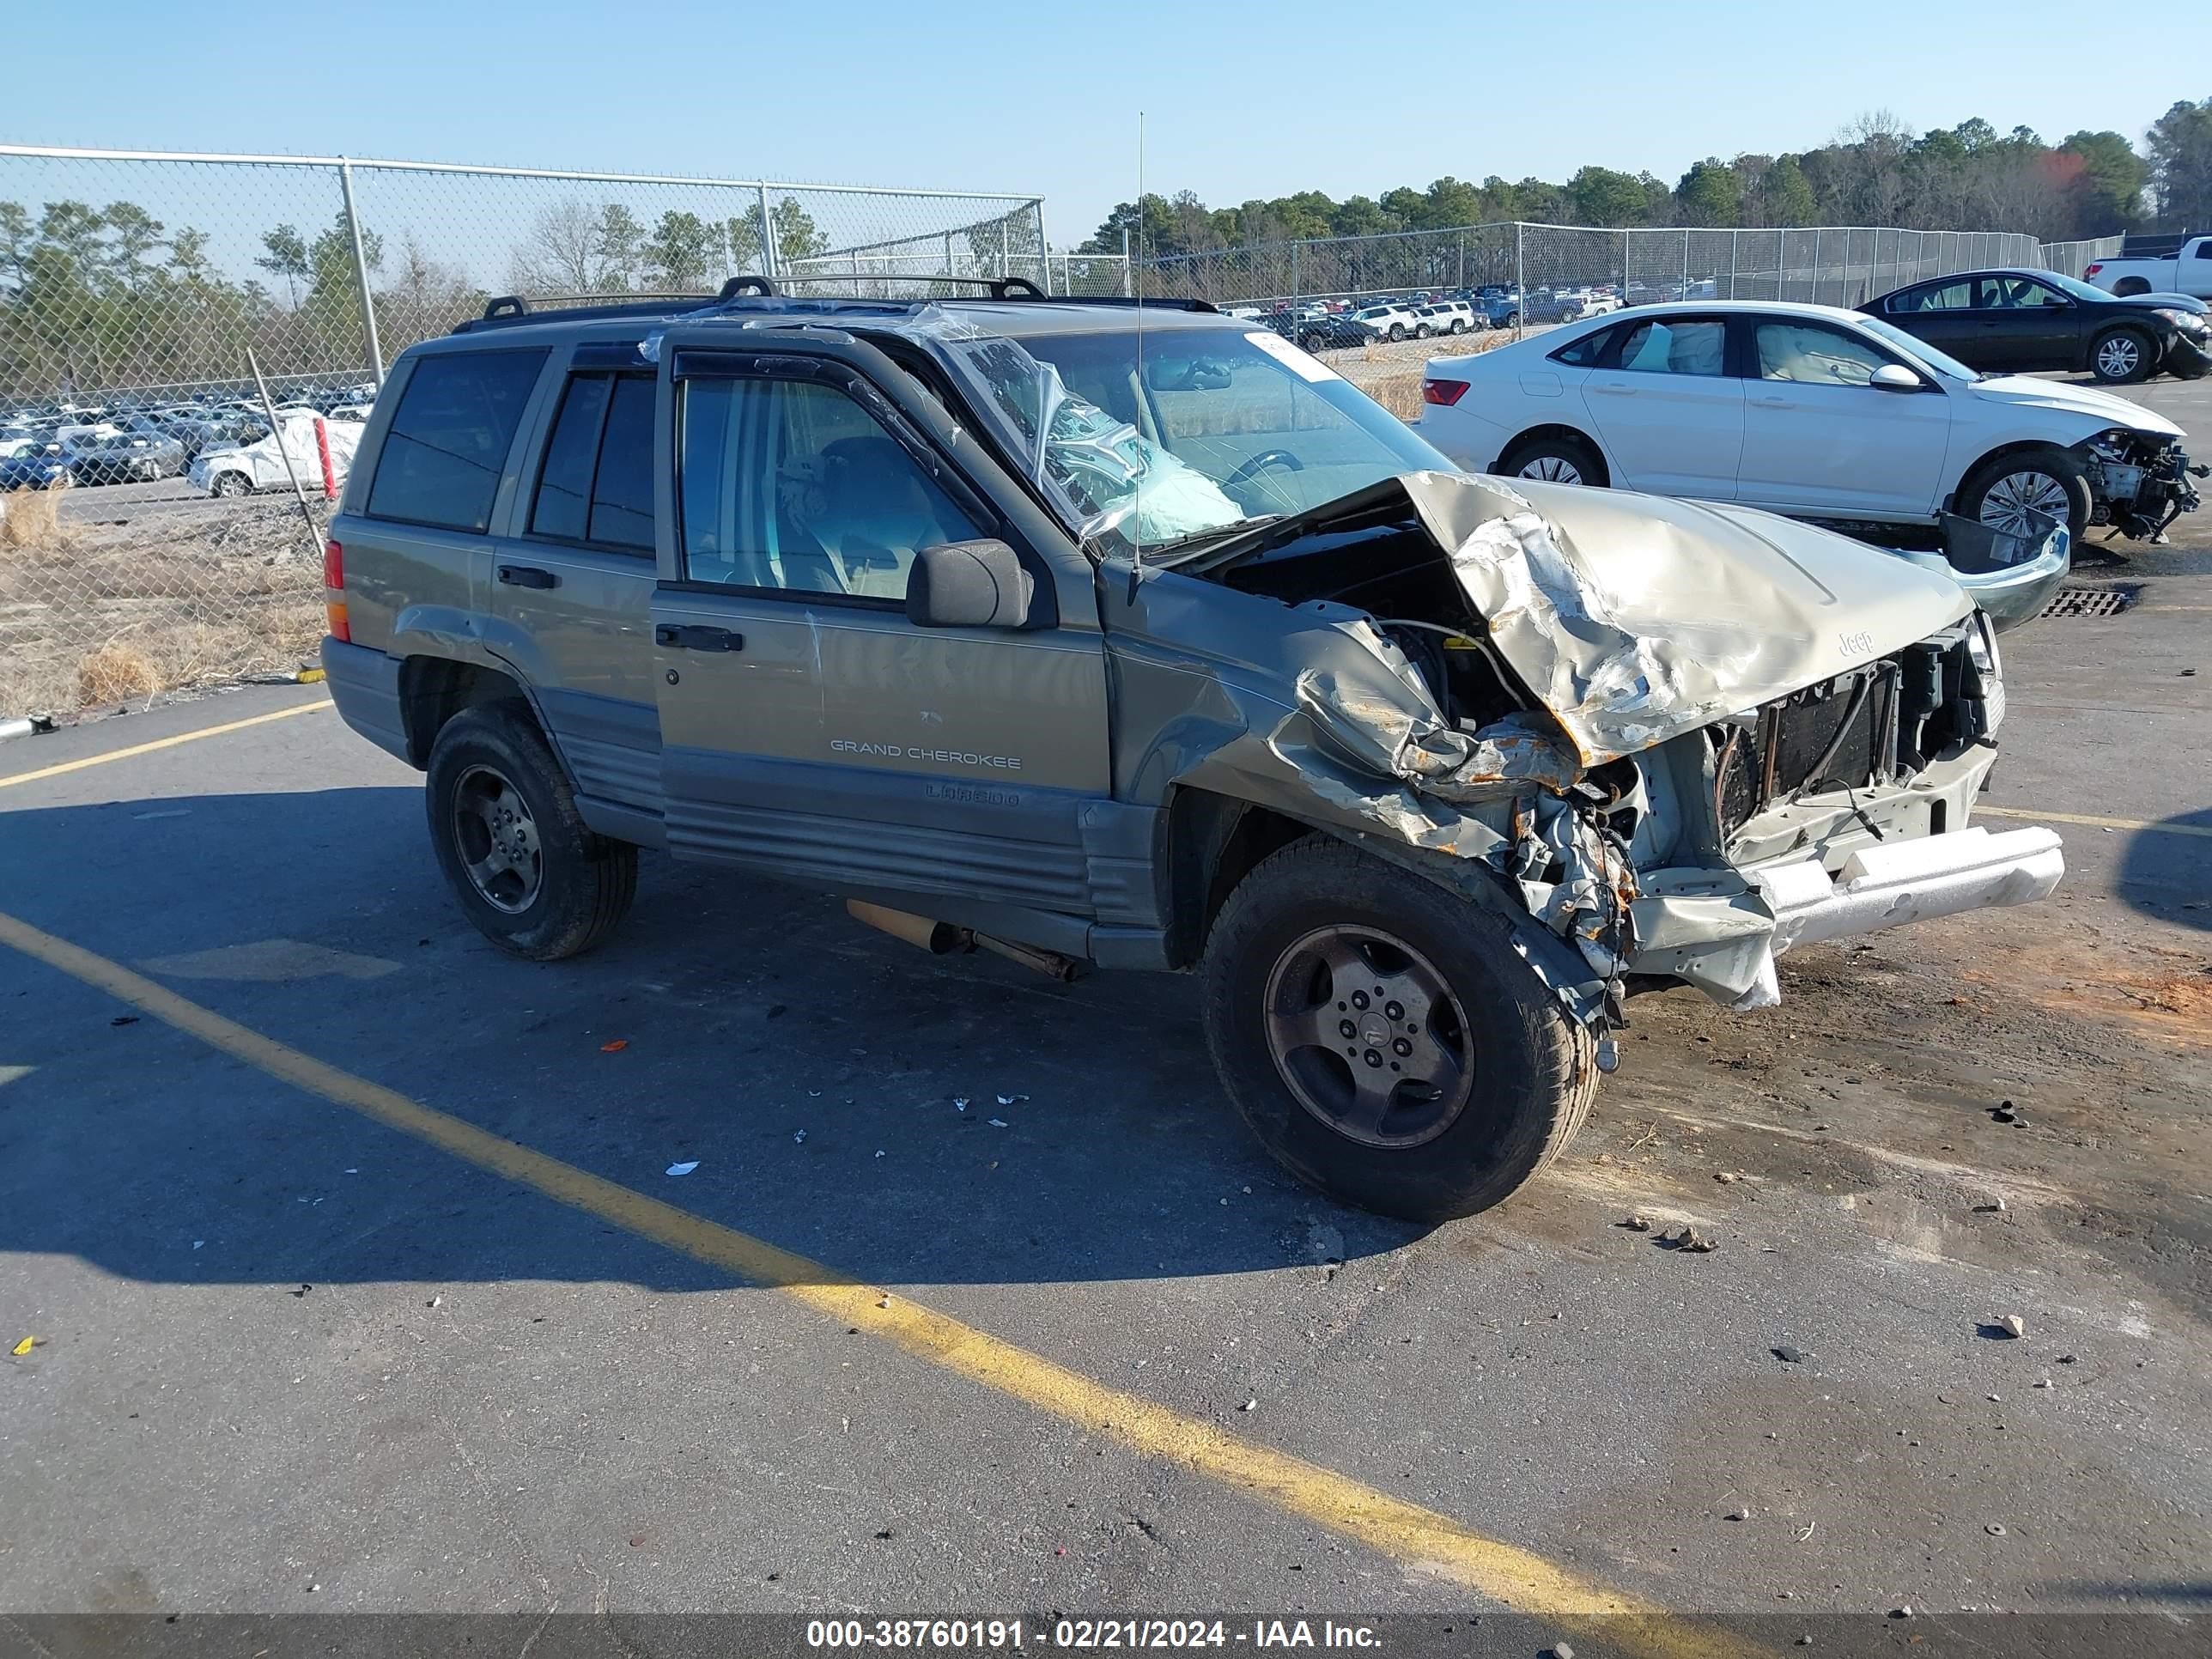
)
(1636, 618)
(2024, 391)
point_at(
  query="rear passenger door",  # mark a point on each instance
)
(572, 582)
(810, 728)
(1668, 412)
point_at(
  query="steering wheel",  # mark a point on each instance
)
(1260, 463)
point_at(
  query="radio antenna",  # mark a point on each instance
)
(1137, 289)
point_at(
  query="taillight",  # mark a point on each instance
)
(2094, 268)
(1443, 394)
(334, 590)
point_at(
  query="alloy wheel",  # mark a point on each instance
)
(1368, 1036)
(498, 838)
(1551, 469)
(2118, 358)
(2010, 501)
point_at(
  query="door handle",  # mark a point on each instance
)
(697, 639)
(527, 576)
(1612, 390)
(1770, 403)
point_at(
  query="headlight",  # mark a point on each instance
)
(2188, 322)
(1982, 647)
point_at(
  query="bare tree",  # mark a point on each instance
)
(562, 255)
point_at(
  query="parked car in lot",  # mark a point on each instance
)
(1451, 317)
(2148, 265)
(124, 457)
(2008, 321)
(1501, 306)
(1325, 331)
(1020, 630)
(242, 469)
(1392, 322)
(43, 467)
(1809, 411)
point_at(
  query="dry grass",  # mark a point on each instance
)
(173, 595)
(34, 521)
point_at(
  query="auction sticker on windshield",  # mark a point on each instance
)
(1298, 362)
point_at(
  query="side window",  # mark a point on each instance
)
(2017, 294)
(597, 482)
(790, 486)
(622, 496)
(564, 484)
(1589, 351)
(1810, 354)
(1683, 346)
(449, 438)
(1950, 296)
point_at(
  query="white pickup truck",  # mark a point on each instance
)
(2185, 268)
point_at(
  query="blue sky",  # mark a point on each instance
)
(1241, 100)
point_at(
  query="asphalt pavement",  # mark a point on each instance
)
(355, 1277)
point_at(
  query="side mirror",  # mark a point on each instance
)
(978, 584)
(1895, 377)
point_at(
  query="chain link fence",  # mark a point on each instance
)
(138, 290)
(1554, 268)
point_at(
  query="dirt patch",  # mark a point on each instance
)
(2149, 990)
(98, 609)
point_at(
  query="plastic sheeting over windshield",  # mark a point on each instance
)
(1102, 472)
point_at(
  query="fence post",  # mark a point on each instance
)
(769, 261)
(1462, 259)
(1044, 248)
(1520, 284)
(1128, 270)
(1296, 281)
(1624, 267)
(1816, 265)
(369, 342)
(1733, 235)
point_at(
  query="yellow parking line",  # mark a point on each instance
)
(2095, 824)
(1409, 1534)
(164, 743)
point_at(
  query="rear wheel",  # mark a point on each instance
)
(2005, 490)
(233, 483)
(1397, 332)
(1554, 460)
(531, 875)
(2129, 287)
(2121, 357)
(1385, 1045)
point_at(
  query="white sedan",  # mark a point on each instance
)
(1803, 409)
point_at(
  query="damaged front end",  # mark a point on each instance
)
(1670, 740)
(2140, 481)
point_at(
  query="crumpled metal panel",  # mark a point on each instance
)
(1636, 618)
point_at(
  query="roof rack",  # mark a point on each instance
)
(998, 287)
(516, 308)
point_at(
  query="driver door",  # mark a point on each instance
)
(809, 728)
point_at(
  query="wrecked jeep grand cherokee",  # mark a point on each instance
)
(1140, 639)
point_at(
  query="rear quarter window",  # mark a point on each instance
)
(449, 438)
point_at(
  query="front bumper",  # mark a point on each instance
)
(2188, 358)
(2007, 576)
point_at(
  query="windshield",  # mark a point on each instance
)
(2080, 290)
(1222, 427)
(1917, 350)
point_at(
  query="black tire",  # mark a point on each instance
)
(583, 882)
(233, 483)
(1549, 458)
(1397, 332)
(2122, 356)
(2129, 287)
(2062, 467)
(1459, 325)
(1531, 1075)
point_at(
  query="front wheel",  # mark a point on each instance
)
(2007, 491)
(233, 483)
(1386, 1045)
(1397, 332)
(1459, 326)
(2122, 356)
(534, 878)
